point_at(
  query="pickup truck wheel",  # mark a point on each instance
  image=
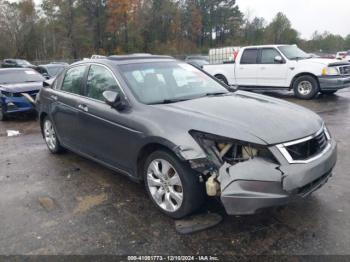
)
(331, 92)
(222, 79)
(172, 185)
(305, 87)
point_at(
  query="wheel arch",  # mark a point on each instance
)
(303, 74)
(41, 119)
(147, 150)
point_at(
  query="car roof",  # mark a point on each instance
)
(53, 65)
(265, 46)
(128, 59)
(16, 69)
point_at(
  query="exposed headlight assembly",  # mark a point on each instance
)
(330, 71)
(222, 150)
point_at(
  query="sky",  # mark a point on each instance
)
(306, 16)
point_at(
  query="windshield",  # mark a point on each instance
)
(19, 76)
(162, 82)
(293, 52)
(23, 62)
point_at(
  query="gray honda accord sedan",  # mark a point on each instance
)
(186, 135)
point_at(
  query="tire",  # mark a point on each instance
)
(50, 137)
(172, 185)
(222, 79)
(331, 92)
(305, 87)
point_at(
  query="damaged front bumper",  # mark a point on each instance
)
(250, 186)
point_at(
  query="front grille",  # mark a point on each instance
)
(308, 149)
(344, 70)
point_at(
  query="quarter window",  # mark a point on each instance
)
(268, 55)
(250, 56)
(73, 79)
(100, 80)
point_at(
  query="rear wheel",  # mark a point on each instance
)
(222, 79)
(172, 185)
(50, 136)
(330, 92)
(305, 87)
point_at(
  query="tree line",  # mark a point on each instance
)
(78, 28)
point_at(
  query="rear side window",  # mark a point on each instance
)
(268, 55)
(250, 56)
(73, 79)
(100, 79)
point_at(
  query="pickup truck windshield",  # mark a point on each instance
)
(292, 52)
(19, 76)
(169, 82)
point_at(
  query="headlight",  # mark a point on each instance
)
(330, 71)
(222, 150)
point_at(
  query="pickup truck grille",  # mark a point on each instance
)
(308, 149)
(344, 70)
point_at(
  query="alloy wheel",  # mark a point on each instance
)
(50, 135)
(165, 185)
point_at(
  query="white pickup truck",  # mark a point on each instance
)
(273, 67)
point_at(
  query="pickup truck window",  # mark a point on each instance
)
(268, 55)
(250, 56)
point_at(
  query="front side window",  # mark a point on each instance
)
(250, 56)
(168, 82)
(73, 79)
(100, 80)
(268, 56)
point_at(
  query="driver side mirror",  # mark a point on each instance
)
(114, 99)
(279, 60)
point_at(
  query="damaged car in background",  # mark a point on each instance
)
(185, 135)
(18, 90)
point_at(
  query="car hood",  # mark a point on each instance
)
(21, 87)
(248, 117)
(322, 61)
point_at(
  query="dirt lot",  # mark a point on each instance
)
(68, 205)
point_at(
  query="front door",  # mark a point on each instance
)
(107, 134)
(271, 73)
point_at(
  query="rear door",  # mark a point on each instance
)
(108, 135)
(246, 71)
(270, 72)
(64, 106)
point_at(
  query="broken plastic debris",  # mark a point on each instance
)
(197, 223)
(11, 133)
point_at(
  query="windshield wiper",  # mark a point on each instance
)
(30, 81)
(216, 94)
(170, 101)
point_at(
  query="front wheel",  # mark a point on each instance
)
(172, 185)
(330, 92)
(305, 87)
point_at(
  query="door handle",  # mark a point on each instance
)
(53, 97)
(84, 108)
(263, 68)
